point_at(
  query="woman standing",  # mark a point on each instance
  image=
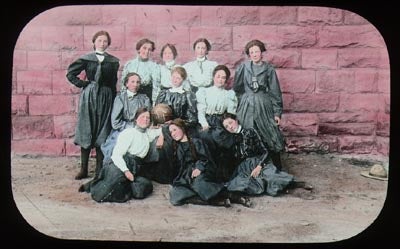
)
(124, 110)
(260, 99)
(148, 70)
(96, 99)
(200, 70)
(255, 173)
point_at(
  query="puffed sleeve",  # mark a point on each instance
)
(238, 81)
(232, 102)
(161, 97)
(275, 92)
(117, 114)
(125, 71)
(74, 70)
(147, 102)
(191, 111)
(122, 145)
(156, 81)
(201, 106)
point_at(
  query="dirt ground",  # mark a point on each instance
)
(342, 205)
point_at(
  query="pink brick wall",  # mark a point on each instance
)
(333, 66)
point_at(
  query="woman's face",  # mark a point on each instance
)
(200, 49)
(176, 79)
(176, 132)
(145, 51)
(133, 83)
(143, 121)
(230, 125)
(101, 43)
(220, 79)
(167, 55)
(255, 54)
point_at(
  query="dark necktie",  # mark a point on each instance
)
(97, 76)
(201, 66)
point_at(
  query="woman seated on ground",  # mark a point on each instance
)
(195, 182)
(255, 173)
(124, 110)
(120, 179)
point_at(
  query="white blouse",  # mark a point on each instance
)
(214, 100)
(149, 72)
(200, 72)
(134, 142)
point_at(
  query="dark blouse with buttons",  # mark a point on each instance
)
(249, 144)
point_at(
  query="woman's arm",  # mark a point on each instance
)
(74, 70)
(117, 114)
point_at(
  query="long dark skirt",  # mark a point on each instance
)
(200, 186)
(93, 125)
(271, 181)
(113, 186)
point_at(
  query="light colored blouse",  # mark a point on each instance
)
(214, 100)
(149, 72)
(200, 72)
(135, 142)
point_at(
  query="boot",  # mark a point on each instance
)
(225, 202)
(83, 173)
(276, 160)
(300, 184)
(239, 199)
(99, 162)
(196, 200)
(221, 200)
(85, 187)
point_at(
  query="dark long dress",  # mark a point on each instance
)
(96, 99)
(204, 185)
(123, 112)
(250, 152)
(258, 105)
(220, 143)
(183, 106)
(113, 186)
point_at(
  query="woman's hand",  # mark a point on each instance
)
(160, 141)
(256, 171)
(129, 175)
(277, 120)
(196, 173)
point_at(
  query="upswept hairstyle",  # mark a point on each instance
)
(225, 69)
(181, 71)
(141, 42)
(208, 45)
(227, 115)
(170, 46)
(253, 43)
(139, 112)
(129, 75)
(99, 33)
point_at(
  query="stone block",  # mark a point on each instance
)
(31, 127)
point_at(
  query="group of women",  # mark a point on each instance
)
(214, 146)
